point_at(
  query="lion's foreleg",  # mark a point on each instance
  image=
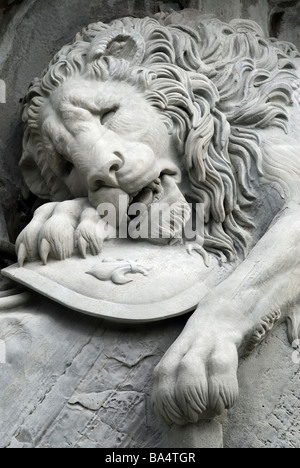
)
(92, 232)
(265, 289)
(51, 232)
(197, 378)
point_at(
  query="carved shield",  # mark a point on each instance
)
(128, 281)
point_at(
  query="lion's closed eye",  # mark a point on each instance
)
(107, 115)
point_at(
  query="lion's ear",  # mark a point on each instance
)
(118, 44)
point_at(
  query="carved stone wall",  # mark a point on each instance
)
(74, 381)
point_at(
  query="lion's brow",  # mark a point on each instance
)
(99, 103)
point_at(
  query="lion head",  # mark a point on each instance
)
(164, 109)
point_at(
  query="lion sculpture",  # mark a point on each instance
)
(179, 107)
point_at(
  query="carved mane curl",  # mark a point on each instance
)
(218, 85)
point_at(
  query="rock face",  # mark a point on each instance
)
(73, 381)
(267, 414)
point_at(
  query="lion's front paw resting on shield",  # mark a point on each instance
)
(59, 230)
(197, 378)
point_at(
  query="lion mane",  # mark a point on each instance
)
(216, 85)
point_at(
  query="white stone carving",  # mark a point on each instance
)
(174, 284)
(117, 270)
(165, 111)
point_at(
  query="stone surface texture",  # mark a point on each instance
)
(278, 18)
(73, 381)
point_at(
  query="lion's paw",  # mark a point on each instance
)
(88, 235)
(27, 244)
(57, 229)
(56, 238)
(197, 379)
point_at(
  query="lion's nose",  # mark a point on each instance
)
(106, 175)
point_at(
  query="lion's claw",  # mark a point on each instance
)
(27, 244)
(82, 246)
(89, 235)
(57, 229)
(44, 250)
(57, 237)
(22, 254)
